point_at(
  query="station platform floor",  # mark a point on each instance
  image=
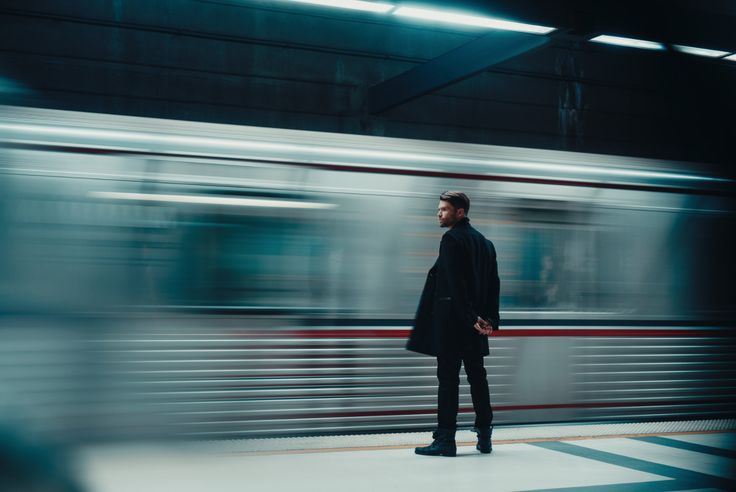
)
(668, 456)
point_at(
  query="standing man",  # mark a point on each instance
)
(457, 311)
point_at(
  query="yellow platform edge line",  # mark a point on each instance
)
(495, 443)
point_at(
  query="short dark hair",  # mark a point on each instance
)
(458, 199)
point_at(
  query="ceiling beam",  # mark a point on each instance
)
(458, 64)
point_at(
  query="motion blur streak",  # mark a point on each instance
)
(167, 278)
(209, 200)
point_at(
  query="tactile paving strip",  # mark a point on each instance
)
(500, 434)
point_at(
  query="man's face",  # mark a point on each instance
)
(447, 214)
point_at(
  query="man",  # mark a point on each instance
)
(457, 311)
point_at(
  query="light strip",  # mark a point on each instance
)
(470, 20)
(212, 200)
(692, 50)
(629, 42)
(214, 145)
(380, 8)
(730, 57)
(601, 171)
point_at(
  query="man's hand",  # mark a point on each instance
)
(483, 327)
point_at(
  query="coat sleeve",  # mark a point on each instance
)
(454, 269)
(494, 284)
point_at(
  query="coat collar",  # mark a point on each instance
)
(464, 222)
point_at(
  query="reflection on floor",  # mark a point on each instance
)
(691, 461)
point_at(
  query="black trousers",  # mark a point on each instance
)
(448, 374)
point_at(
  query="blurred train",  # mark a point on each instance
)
(176, 278)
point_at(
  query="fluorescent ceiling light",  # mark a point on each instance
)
(211, 200)
(730, 57)
(630, 42)
(700, 51)
(470, 20)
(351, 4)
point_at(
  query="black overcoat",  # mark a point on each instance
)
(462, 285)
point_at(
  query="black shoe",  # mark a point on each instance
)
(484, 439)
(443, 444)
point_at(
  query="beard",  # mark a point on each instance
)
(448, 222)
